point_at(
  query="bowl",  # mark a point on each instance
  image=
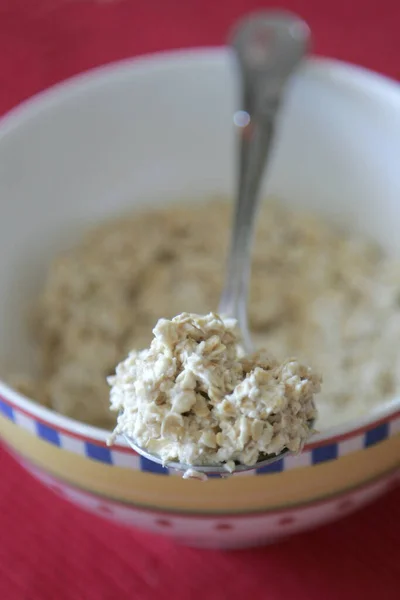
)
(154, 129)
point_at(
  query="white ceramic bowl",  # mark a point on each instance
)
(155, 129)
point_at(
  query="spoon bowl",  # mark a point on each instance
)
(209, 469)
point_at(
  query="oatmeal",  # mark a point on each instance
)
(193, 399)
(331, 299)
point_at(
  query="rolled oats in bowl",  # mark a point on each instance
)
(328, 297)
(192, 398)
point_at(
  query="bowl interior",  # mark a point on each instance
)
(159, 129)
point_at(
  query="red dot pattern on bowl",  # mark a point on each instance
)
(223, 527)
(163, 523)
(103, 508)
(288, 520)
(345, 505)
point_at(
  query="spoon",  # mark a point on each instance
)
(268, 46)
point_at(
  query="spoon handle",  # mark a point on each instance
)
(268, 48)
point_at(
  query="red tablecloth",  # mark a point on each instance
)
(50, 550)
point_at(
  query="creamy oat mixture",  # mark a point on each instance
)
(192, 398)
(330, 299)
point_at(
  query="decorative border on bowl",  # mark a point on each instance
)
(122, 456)
(226, 528)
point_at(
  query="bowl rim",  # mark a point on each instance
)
(342, 75)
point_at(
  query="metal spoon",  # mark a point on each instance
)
(268, 47)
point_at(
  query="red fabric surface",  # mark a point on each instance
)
(49, 549)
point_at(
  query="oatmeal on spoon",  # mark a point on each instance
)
(192, 399)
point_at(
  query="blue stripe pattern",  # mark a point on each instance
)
(99, 453)
(324, 453)
(275, 467)
(104, 454)
(376, 435)
(7, 410)
(151, 467)
(48, 434)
